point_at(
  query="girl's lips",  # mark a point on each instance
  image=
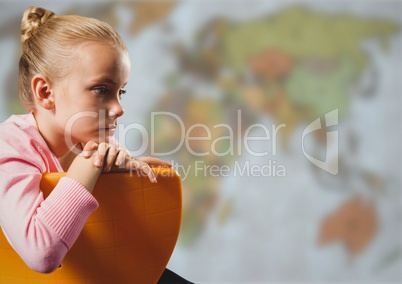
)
(111, 128)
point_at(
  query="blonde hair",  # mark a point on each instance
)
(49, 45)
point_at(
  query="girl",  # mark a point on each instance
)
(72, 73)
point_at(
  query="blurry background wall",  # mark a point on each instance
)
(283, 119)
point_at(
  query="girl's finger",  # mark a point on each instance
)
(88, 149)
(110, 158)
(121, 157)
(134, 163)
(155, 161)
(102, 150)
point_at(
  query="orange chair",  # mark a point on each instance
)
(128, 239)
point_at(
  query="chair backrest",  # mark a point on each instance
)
(128, 239)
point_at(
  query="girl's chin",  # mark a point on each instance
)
(98, 140)
(102, 139)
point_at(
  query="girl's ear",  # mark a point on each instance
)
(42, 91)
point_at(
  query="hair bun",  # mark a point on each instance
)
(31, 20)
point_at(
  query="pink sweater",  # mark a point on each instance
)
(40, 230)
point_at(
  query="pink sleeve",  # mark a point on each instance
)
(41, 231)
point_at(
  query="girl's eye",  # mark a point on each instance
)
(101, 91)
(121, 92)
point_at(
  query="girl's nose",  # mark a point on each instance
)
(116, 110)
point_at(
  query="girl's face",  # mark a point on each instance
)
(87, 100)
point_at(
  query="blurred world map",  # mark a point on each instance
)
(242, 98)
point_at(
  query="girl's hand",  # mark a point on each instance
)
(144, 164)
(106, 155)
(116, 158)
(155, 162)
